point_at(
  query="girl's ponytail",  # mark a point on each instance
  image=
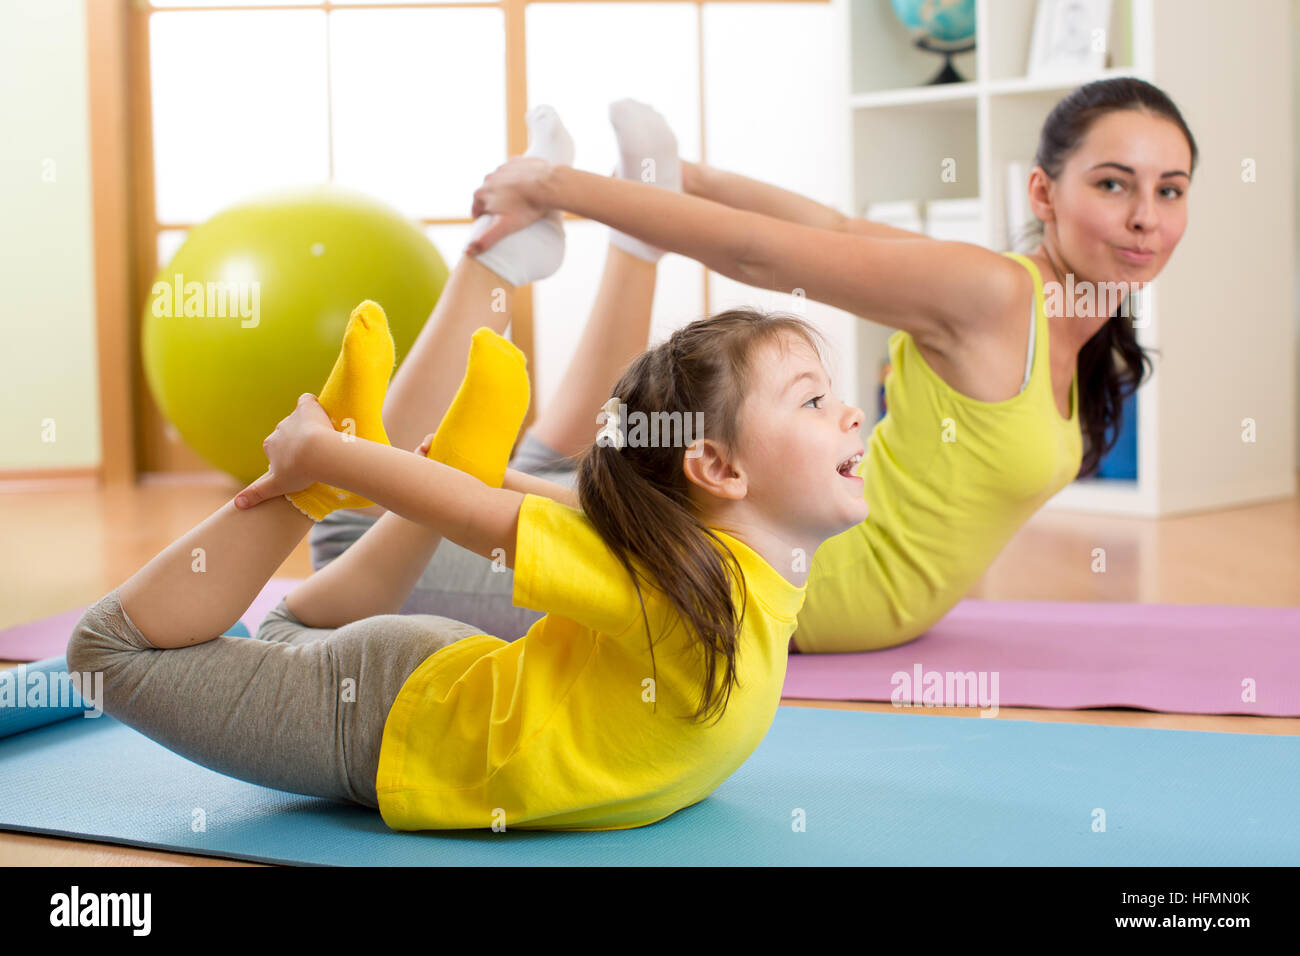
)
(665, 546)
(637, 496)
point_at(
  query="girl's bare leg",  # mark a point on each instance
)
(199, 585)
(617, 331)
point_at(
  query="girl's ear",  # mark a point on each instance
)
(706, 465)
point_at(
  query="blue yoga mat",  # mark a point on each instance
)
(23, 706)
(825, 787)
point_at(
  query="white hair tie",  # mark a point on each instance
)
(610, 436)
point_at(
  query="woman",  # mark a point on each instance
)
(963, 458)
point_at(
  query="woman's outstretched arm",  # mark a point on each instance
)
(893, 283)
(741, 192)
(532, 485)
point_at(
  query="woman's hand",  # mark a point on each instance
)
(513, 196)
(690, 177)
(286, 451)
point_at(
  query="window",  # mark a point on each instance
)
(412, 103)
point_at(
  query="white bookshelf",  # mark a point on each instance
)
(1222, 310)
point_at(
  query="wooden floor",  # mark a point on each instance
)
(71, 543)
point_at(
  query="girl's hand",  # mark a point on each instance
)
(285, 449)
(512, 195)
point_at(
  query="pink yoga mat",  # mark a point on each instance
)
(48, 637)
(1177, 658)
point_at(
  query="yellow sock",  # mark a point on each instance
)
(354, 391)
(479, 429)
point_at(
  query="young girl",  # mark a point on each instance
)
(658, 667)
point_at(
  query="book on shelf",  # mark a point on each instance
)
(959, 220)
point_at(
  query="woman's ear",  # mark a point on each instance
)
(707, 466)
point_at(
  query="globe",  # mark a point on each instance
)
(941, 21)
(939, 26)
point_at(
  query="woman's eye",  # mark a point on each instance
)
(1176, 191)
(817, 398)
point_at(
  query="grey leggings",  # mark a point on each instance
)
(294, 708)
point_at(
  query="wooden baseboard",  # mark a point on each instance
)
(20, 480)
(207, 477)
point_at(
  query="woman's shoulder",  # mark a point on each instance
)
(1002, 286)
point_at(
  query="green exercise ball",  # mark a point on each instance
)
(250, 312)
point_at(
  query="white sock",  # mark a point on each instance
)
(647, 152)
(537, 250)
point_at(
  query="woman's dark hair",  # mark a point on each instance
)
(637, 496)
(1111, 364)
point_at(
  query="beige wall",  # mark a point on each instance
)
(48, 368)
(1295, 131)
(47, 289)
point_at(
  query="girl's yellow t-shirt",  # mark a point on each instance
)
(566, 728)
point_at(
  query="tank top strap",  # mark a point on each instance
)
(1038, 330)
(1042, 355)
(1030, 349)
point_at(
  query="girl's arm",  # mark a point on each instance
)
(930, 288)
(740, 192)
(458, 506)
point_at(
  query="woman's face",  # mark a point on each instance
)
(1126, 186)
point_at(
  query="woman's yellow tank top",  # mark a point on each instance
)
(949, 479)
